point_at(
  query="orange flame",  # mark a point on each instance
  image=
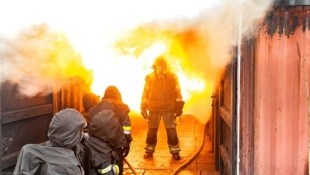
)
(129, 67)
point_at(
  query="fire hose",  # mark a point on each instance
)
(183, 165)
(179, 168)
(130, 166)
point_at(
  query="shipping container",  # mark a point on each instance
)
(273, 128)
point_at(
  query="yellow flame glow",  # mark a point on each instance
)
(193, 34)
(128, 74)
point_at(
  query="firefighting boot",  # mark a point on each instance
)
(149, 151)
(174, 150)
(148, 155)
(176, 156)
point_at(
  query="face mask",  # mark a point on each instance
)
(160, 70)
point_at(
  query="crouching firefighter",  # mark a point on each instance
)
(161, 99)
(112, 100)
(58, 155)
(106, 139)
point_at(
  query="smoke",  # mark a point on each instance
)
(219, 30)
(201, 35)
(204, 44)
(39, 60)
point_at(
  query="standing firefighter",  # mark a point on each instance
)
(161, 99)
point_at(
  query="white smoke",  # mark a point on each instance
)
(221, 27)
(93, 26)
(39, 60)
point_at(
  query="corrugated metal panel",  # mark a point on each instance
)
(225, 125)
(247, 107)
(292, 2)
(22, 120)
(20, 115)
(71, 94)
(281, 119)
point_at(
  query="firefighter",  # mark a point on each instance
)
(58, 155)
(161, 99)
(112, 100)
(106, 138)
(89, 100)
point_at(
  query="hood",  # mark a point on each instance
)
(65, 129)
(90, 100)
(112, 92)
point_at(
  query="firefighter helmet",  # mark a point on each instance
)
(160, 61)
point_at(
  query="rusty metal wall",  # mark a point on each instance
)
(282, 68)
(247, 107)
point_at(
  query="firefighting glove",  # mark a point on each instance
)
(125, 151)
(144, 112)
(179, 108)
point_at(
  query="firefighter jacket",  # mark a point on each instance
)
(106, 137)
(56, 156)
(112, 100)
(161, 92)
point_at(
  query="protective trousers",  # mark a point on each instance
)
(170, 125)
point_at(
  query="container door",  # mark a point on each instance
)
(225, 123)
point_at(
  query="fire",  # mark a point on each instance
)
(190, 85)
(128, 74)
(118, 40)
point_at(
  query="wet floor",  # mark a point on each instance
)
(191, 134)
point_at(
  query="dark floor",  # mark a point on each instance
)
(190, 133)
